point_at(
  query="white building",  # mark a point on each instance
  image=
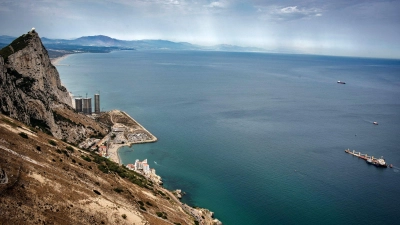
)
(144, 166)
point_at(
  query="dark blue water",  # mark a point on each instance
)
(259, 138)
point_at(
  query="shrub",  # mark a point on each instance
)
(102, 168)
(86, 158)
(148, 203)
(52, 143)
(118, 190)
(97, 192)
(141, 203)
(65, 153)
(24, 135)
(162, 215)
(143, 208)
(38, 148)
(124, 216)
(73, 160)
(70, 148)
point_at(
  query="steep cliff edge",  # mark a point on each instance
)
(44, 180)
(31, 91)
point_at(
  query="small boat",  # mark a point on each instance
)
(375, 123)
(391, 165)
(341, 82)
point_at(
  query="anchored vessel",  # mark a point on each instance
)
(370, 159)
(341, 82)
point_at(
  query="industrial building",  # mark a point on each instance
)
(87, 106)
(78, 105)
(97, 103)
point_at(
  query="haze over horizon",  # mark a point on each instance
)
(368, 28)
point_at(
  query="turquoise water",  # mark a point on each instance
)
(259, 138)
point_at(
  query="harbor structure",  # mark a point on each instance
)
(87, 106)
(97, 103)
(78, 104)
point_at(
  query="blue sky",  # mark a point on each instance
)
(368, 28)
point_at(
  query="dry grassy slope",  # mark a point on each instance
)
(47, 186)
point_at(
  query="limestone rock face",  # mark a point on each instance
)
(31, 90)
(33, 61)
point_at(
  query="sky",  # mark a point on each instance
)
(362, 28)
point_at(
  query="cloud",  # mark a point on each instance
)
(288, 13)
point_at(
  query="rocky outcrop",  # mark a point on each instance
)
(31, 90)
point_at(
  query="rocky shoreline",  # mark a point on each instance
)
(126, 131)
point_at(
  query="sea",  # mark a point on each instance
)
(258, 138)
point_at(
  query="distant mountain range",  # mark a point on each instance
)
(105, 43)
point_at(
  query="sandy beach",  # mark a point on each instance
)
(113, 152)
(56, 61)
(113, 148)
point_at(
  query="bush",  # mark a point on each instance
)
(24, 135)
(97, 192)
(70, 148)
(102, 168)
(162, 215)
(86, 158)
(38, 148)
(143, 208)
(118, 190)
(65, 153)
(52, 143)
(124, 216)
(148, 203)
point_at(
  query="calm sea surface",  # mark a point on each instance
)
(259, 138)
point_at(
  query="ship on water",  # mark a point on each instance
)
(369, 159)
(341, 82)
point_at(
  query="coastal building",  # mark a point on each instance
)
(144, 166)
(78, 105)
(130, 166)
(97, 103)
(103, 150)
(87, 106)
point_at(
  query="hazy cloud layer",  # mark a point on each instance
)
(337, 27)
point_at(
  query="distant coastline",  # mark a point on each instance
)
(56, 61)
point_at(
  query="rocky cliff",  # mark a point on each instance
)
(31, 91)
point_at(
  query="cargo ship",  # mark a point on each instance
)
(370, 159)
